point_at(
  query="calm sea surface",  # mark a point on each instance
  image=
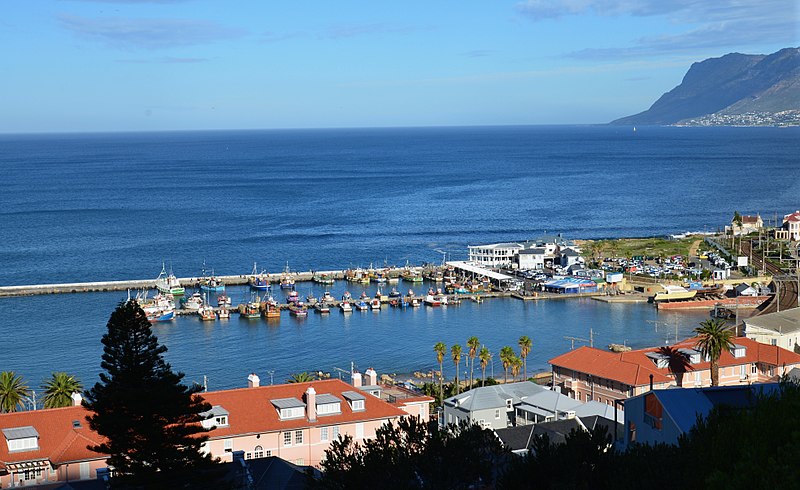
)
(114, 206)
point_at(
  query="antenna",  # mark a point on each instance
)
(589, 341)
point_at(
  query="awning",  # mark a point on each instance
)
(466, 266)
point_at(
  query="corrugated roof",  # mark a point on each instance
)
(352, 395)
(287, 403)
(787, 321)
(327, 398)
(20, 433)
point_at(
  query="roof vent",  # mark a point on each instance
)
(76, 424)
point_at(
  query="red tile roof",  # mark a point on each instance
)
(792, 217)
(59, 442)
(750, 219)
(634, 367)
(250, 410)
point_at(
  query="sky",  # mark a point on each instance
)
(140, 65)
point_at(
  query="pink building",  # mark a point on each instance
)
(594, 374)
(295, 422)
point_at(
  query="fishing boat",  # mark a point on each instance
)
(345, 307)
(224, 301)
(443, 299)
(251, 309)
(361, 305)
(259, 281)
(375, 304)
(323, 278)
(298, 309)
(357, 275)
(394, 293)
(409, 275)
(477, 299)
(432, 300)
(293, 297)
(723, 312)
(207, 313)
(193, 302)
(322, 308)
(168, 283)
(224, 313)
(212, 285)
(311, 300)
(674, 293)
(346, 296)
(160, 309)
(270, 308)
(326, 297)
(287, 281)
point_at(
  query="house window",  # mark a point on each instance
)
(334, 432)
(268, 453)
(509, 403)
(358, 405)
(258, 452)
(328, 408)
(248, 455)
(754, 369)
(298, 437)
(287, 438)
(300, 461)
(292, 413)
(222, 420)
(323, 433)
(32, 474)
(23, 444)
(228, 445)
(359, 430)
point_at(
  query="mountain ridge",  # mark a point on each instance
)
(733, 84)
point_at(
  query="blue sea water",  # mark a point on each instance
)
(90, 207)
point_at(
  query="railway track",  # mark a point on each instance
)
(785, 291)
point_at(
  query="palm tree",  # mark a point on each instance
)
(506, 354)
(485, 355)
(59, 388)
(714, 337)
(473, 343)
(440, 348)
(525, 344)
(456, 352)
(516, 363)
(12, 391)
(303, 377)
(677, 362)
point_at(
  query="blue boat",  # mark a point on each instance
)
(259, 282)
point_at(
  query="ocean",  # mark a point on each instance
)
(93, 207)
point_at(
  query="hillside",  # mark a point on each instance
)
(732, 84)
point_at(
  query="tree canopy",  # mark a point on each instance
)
(151, 421)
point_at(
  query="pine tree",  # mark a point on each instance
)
(151, 421)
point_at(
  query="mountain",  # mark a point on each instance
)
(733, 84)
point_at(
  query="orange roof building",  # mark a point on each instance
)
(593, 374)
(296, 422)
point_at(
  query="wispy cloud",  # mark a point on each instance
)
(131, 33)
(708, 24)
(355, 30)
(167, 60)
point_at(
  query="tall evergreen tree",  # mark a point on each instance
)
(151, 421)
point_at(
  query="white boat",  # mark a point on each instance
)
(432, 300)
(362, 305)
(345, 307)
(168, 283)
(224, 313)
(673, 293)
(375, 304)
(193, 302)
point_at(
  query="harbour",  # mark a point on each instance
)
(375, 196)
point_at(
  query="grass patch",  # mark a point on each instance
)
(632, 247)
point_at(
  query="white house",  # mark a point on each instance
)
(494, 255)
(532, 258)
(791, 223)
(781, 328)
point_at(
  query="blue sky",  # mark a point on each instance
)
(116, 65)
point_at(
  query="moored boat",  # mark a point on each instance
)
(193, 302)
(345, 307)
(168, 283)
(224, 301)
(375, 304)
(212, 285)
(323, 278)
(674, 293)
(259, 281)
(287, 281)
(322, 308)
(298, 309)
(270, 308)
(361, 305)
(207, 313)
(224, 313)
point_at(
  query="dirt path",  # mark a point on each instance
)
(695, 247)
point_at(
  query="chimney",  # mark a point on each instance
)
(311, 404)
(253, 380)
(371, 377)
(651, 382)
(355, 376)
(76, 399)
(570, 414)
